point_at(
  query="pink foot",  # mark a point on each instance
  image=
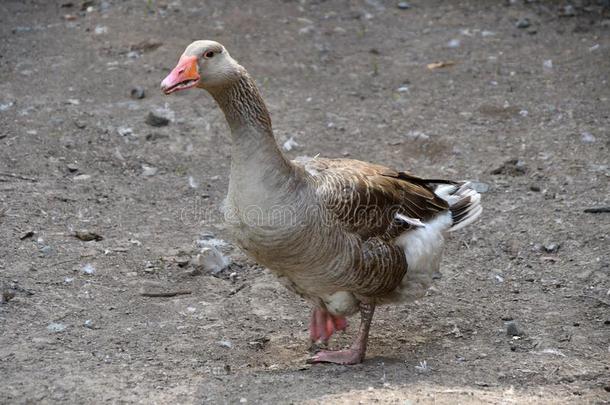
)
(348, 356)
(324, 324)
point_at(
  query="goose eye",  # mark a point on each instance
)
(208, 54)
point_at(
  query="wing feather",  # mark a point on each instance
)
(364, 198)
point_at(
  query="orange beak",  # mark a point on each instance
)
(184, 76)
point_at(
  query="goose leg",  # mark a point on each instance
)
(355, 354)
(323, 325)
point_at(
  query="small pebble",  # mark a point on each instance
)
(6, 296)
(403, 5)
(148, 171)
(454, 43)
(513, 167)
(82, 177)
(80, 124)
(88, 324)
(156, 120)
(522, 23)
(100, 29)
(182, 261)
(512, 329)
(535, 187)
(138, 93)
(568, 11)
(72, 167)
(587, 137)
(225, 343)
(125, 131)
(56, 327)
(551, 247)
(27, 234)
(417, 135)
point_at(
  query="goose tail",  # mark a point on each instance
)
(464, 203)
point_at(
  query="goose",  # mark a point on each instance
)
(345, 235)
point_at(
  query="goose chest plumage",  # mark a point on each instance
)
(344, 234)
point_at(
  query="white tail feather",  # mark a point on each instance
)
(464, 203)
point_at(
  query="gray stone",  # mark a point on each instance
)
(156, 120)
(149, 171)
(138, 93)
(522, 23)
(551, 247)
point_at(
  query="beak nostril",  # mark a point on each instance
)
(181, 71)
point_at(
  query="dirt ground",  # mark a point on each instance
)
(524, 111)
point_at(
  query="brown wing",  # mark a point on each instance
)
(364, 198)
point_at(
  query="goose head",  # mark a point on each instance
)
(203, 64)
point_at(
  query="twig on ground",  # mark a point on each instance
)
(236, 290)
(18, 176)
(164, 293)
(597, 210)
